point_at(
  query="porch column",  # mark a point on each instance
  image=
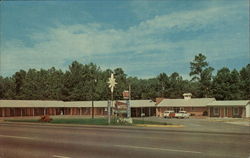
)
(21, 112)
(33, 112)
(149, 111)
(80, 111)
(232, 109)
(243, 111)
(158, 111)
(44, 111)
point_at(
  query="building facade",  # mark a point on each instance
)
(139, 108)
(232, 108)
(194, 106)
(11, 108)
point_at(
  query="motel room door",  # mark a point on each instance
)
(225, 112)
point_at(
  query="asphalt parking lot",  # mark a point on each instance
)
(230, 125)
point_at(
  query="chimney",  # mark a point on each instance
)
(187, 95)
(158, 100)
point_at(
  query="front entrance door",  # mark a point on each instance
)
(176, 109)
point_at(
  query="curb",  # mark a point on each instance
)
(151, 125)
(100, 126)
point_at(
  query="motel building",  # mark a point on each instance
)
(194, 106)
(140, 108)
(232, 108)
(197, 107)
(11, 108)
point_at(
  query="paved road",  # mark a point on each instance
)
(27, 140)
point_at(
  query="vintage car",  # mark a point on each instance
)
(169, 114)
(182, 114)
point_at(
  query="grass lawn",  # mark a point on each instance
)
(87, 121)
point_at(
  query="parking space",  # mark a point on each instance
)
(208, 124)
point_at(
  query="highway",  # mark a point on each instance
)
(42, 141)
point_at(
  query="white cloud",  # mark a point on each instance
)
(56, 45)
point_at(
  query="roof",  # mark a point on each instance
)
(31, 103)
(46, 103)
(140, 103)
(229, 103)
(187, 94)
(86, 104)
(194, 102)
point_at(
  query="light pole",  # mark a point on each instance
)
(129, 101)
(112, 84)
(93, 111)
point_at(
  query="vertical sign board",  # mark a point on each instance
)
(121, 108)
(125, 95)
(127, 98)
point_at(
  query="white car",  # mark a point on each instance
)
(182, 114)
(168, 114)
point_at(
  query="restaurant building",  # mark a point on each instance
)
(194, 106)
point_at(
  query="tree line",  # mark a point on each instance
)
(88, 81)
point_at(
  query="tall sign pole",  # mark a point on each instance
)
(93, 92)
(112, 84)
(129, 99)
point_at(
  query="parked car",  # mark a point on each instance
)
(182, 114)
(168, 114)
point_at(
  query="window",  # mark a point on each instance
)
(216, 111)
(236, 111)
(176, 109)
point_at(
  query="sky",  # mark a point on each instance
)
(143, 37)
